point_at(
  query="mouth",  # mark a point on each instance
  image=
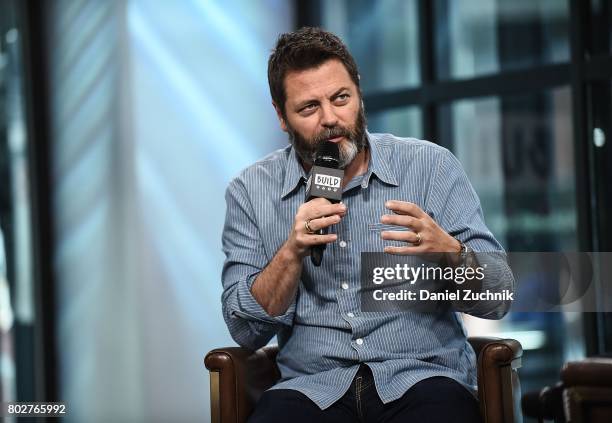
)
(335, 140)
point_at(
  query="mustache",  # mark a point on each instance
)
(335, 132)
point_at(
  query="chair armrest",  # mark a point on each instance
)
(238, 377)
(502, 351)
(499, 390)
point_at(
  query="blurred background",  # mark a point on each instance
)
(121, 123)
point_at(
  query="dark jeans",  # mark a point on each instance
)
(432, 400)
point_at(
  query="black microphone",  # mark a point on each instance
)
(325, 181)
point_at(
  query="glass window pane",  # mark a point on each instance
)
(600, 128)
(18, 345)
(489, 36)
(402, 122)
(387, 54)
(601, 26)
(518, 153)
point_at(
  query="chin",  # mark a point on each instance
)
(348, 153)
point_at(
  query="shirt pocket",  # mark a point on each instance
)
(375, 229)
(379, 227)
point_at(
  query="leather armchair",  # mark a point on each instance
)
(583, 395)
(587, 394)
(239, 376)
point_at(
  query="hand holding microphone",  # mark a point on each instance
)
(321, 209)
(318, 215)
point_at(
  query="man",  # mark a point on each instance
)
(400, 196)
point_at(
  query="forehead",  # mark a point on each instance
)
(321, 81)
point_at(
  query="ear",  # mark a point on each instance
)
(279, 115)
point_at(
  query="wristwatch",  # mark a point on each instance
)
(465, 254)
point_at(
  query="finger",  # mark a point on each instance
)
(310, 240)
(323, 222)
(407, 236)
(401, 220)
(405, 207)
(319, 201)
(401, 251)
(325, 210)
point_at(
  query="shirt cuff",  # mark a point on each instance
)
(250, 309)
(498, 278)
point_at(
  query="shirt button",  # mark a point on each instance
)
(344, 285)
(349, 314)
(342, 244)
(359, 341)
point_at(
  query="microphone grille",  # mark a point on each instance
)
(327, 155)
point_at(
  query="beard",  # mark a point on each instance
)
(355, 135)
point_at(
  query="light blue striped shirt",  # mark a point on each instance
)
(324, 336)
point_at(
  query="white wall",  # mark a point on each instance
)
(156, 105)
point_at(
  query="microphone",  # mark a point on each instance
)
(325, 181)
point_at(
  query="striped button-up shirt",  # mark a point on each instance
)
(324, 336)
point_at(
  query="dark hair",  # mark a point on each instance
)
(303, 49)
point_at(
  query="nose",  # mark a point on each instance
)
(328, 117)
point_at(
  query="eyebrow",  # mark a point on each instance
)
(337, 93)
(304, 103)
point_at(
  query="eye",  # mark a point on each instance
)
(341, 99)
(309, 108)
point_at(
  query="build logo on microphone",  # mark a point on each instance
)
(331, 183)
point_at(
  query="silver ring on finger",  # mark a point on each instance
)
(307, 226)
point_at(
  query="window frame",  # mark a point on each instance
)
(583, 69)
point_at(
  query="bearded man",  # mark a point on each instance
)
(399, 196)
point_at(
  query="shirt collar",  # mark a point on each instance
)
(294, 174)
(380, 156)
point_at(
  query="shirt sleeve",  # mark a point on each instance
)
(248, 323)
(456, 208)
